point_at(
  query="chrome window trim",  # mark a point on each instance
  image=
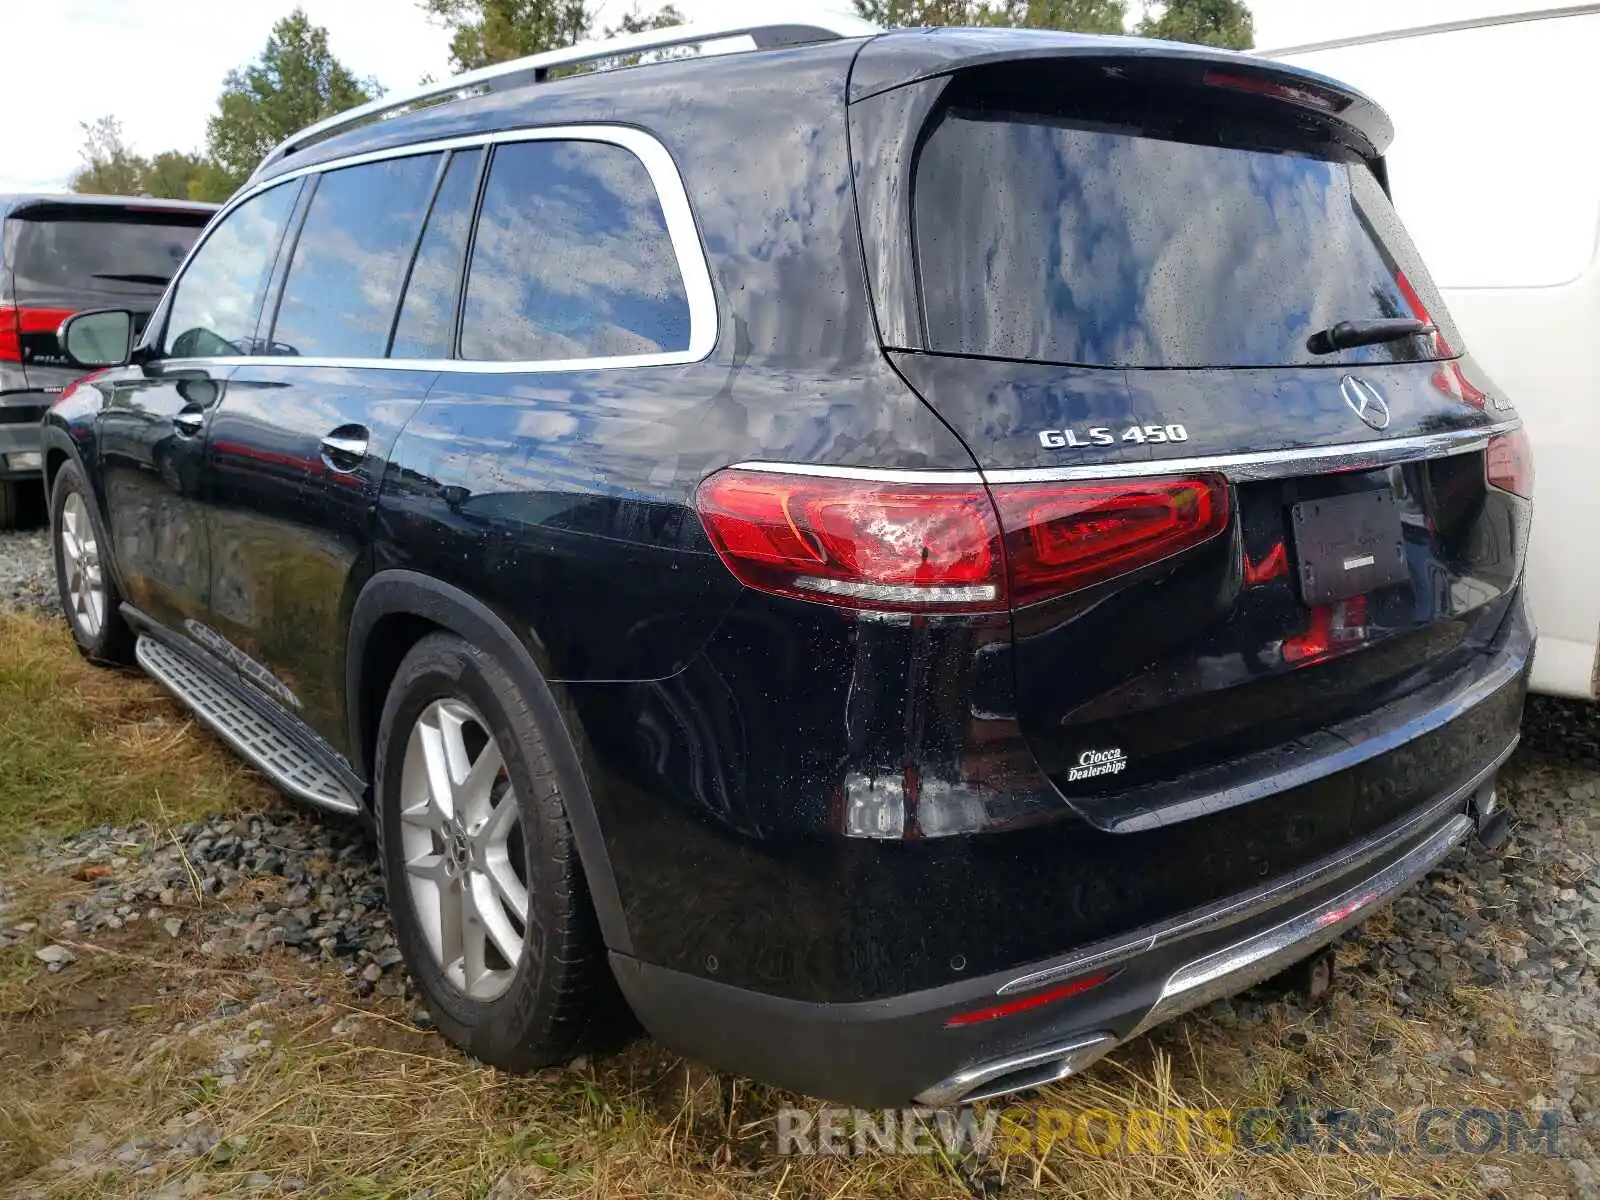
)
(875, 474)
(1240, 468)
(670, 193)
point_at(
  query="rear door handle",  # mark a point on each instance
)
(345, 448)
(189, 421)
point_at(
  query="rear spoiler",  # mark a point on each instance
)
(102, 208)
(892, 60)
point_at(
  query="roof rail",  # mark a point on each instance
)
(520, 72)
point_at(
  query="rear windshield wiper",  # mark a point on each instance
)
(1347, 334)
(153, 280)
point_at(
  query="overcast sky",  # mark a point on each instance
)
(158, 66)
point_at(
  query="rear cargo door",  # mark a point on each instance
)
(66, 256)
(1227, 539)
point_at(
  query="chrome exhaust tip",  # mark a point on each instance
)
(1017, 1073)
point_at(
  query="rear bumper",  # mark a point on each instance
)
(20, 414)
(898, 1049)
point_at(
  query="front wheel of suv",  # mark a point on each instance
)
(485, 890)
(88, 596)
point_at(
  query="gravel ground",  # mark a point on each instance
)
(1526, 924)
(27, 570)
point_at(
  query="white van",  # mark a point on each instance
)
(1496, 173)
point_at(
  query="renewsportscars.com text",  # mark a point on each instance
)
(1103, 1131)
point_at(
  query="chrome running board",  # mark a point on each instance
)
(254, 738)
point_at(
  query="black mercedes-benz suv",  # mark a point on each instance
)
(914, 556)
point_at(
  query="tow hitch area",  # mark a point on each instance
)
(1492, 819)
(1308, 980)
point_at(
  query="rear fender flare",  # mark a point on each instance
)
(410, 593)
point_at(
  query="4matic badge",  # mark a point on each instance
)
(1105, 435)
(1098, 762)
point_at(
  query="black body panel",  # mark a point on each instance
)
(291, 527)
(150, 446)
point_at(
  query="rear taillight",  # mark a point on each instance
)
(1061, 537)
(901, 547)
(14, 322)
(919, 547)
(1510, 463)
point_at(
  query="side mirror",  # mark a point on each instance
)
(98, 338)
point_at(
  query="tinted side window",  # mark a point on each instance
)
(215, 306)
(571, 259)
(427, 324)
(344, 280)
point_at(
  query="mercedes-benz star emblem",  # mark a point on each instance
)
(1366, 401)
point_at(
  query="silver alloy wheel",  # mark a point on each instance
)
(461, 839)
(80, 559)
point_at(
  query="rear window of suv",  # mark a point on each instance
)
(61, 248)
(1119, 230)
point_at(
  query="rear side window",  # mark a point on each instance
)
(218, 299)
(344, 279)
(571, 259)
(1124, 232)
(109, 253)
(426, 327)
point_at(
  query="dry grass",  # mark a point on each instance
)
(82, 746)
(355, 1102)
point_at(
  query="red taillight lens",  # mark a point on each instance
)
(1510, 461)
(1012, 1007)
(1060, 537)
(14, 322)
(919, 547)
(896, 547)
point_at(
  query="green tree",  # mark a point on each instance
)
(1208, 22)
(634, 21)
(1224, 23)
(483, 32)
(109, 167)
(172, 174)
(1079, 16)
(294, 83)
(912, 14)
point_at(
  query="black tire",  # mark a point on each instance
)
(546, 1013)
(112, 643)
(10, 506)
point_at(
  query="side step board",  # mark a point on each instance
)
(255, 739)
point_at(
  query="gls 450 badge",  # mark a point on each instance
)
(1105, 435)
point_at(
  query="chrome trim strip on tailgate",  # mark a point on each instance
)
(1276, 464)
(1241, 468)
